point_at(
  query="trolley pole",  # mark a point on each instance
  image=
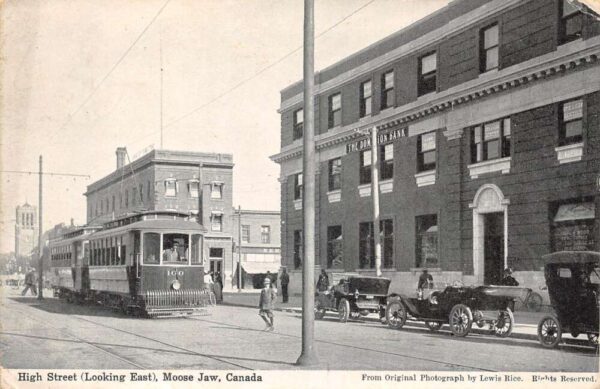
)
(40, 295)
(375, 194)
(308, 357)
(240, 248)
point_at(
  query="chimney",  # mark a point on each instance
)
(121, 152)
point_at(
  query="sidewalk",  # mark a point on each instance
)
(525, 322)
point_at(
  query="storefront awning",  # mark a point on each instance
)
(577, 211)
(261, 267)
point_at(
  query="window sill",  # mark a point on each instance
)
(425, 178)
(364, 190)
(386, 186)
(298, 204)
(383, 270)
(334, 196)
(569, 153)
(429, 269)
(491, 166)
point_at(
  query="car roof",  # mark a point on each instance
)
(567, 257)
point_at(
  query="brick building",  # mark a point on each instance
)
(191, 182)
(489, 119)
(260, 247)
(26, 231)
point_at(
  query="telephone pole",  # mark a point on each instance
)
(239, 248)
(40, 295)
(375, 194)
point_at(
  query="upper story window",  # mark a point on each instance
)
(265, 234)
(216, 223)
(571, 122)
(386, 153)
(133, 196)
(365, 99)
(571, 22)
(335, 174)
(170, 189)
(335, 110)
(427, 73)
(365, 167)
(298, 186)
(245, 233)
(148, 189)
(141, 193)
(113, 203)
(194, 189)
(387, 90)
(490, 141)
(126, 198)
(488, 48)
(426, 155)
(216, 191)
(298, 123)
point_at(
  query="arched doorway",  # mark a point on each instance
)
(490, 234)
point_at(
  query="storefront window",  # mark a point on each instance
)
(335, 250)
(573, 226)
(427, 241)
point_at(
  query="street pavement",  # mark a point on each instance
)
(53, 334)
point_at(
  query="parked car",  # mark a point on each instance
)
(460, 307)
(573, 281)
(353, 295)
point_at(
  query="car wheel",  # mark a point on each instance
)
(549, 331)
(534, 302)
(433, 326)
(319, 311)
(460, 320)
(504, 324)
(343, 310)
(395, 314)
(593, 338)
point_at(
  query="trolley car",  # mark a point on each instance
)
(144, 264)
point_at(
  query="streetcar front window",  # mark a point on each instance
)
(151, 248)
(175, 248)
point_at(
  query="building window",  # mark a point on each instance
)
(427, 241)
(387, 90)
(113, 203)
(572, 225)
(427, 73)
(141, 193)
(365, 99)
(488, 48)
(571, 122)
(298, 124)
(490, 141)
(365, 167)
(126, 198)
(335, 248)
(216, 222)
(171, 188)
(386, 153)
(134, 196)
(571, 22)
(335, 174)
(426, 152)
(216, 191)
(298, 252)
(366, 244)
(265, 234)
(298, 186)
(335, 110)
(245, 233)
(148, 188)
(194, 189)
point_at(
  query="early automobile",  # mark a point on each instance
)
(573, 281)
(459, 306)
(353, 295)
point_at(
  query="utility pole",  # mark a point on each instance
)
(375, 194)
(239, 248)
(308, 357)
(40, 295)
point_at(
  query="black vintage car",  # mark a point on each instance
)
(460, 307)
(573, 281)
(353, 295)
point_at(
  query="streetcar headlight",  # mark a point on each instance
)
(176, 285)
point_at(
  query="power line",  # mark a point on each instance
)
(45, 173)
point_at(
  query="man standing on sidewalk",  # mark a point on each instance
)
(30, 283)
(266, 304)
(285, 281)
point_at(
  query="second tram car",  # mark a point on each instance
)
(145, 264)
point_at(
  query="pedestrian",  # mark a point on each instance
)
(218, 287)
(285, 281)
(323, 282)
(425, 282)
(508, 279)
(266, 304)
(273, 278)
(30, 283)
(208, 283)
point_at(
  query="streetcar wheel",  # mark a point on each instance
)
(549, 332)
(505, 323)
(460, 320)
(343, 310)
(433, 326)
(395, 314)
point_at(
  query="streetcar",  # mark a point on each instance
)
(146, 264)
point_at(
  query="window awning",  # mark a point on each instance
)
(577, 211)
(216, 213)
(261, 267)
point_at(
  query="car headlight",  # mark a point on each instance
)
(176, 285)
(356, 294)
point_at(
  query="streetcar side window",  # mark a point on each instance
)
(175, 248)
(196, 254)
(151, 248)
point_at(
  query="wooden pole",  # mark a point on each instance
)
(375, 195)
(40, 295)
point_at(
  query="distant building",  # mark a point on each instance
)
(260, 245)
(196, 183)
(26, 230)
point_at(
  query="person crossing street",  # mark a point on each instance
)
(266, 304)
(30, 283)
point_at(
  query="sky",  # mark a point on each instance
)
(80, 78)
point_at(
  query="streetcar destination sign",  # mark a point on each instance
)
(382, 138)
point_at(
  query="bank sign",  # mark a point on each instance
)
(382, 138)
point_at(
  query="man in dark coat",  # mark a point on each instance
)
(508, 279)
(323, 282)
(266, 305)
(285, 281)
(30, 283)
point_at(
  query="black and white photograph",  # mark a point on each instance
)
(299, 193)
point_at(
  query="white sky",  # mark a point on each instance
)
(55, 53)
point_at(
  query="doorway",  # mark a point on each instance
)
(215, 256)
(493, 248)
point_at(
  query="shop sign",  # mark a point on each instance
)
(382, 138)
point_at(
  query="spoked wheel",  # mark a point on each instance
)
(461, 319)
(505, 323)
(593, 338)
(534, 302)
(343, 310)
(549, 331)
(319, 311)
(395, 314)
(433, 326)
